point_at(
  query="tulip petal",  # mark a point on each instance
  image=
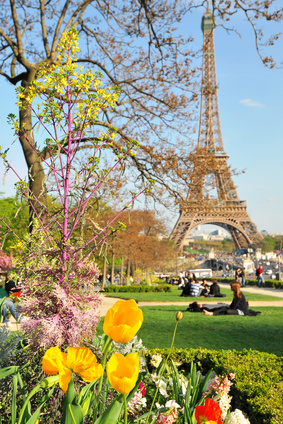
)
(123, 371)
(53, 360)
(80, 358)
(92, 373)
(65, 376)
(123, 321)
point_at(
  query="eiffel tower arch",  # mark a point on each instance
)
(225, 209)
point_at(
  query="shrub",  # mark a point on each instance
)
(275, 284)
(258, 385)
(139, 289)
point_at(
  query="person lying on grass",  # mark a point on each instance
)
(239, 305)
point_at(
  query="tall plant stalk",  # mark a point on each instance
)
(69, 105)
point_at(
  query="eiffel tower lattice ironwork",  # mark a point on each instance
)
(226, 209)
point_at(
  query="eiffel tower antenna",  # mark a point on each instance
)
(207, 6)
(225, 209)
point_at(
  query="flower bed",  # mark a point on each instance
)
(172, 386)
(258, 376)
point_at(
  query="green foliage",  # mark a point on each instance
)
(9, 343)
(258, 383)
(275, 284)
(165, 288)
(267, 244)
(15, 214)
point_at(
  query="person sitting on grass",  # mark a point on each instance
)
(239, 305)
(196, 289)
(9, 306)
(205, 288)
(214, 290)
(10, 284)
(186, 289)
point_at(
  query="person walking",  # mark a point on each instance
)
(244, 276)
(238, 274)
(260, 279)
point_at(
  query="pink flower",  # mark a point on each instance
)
(168, 417)
(219, 385)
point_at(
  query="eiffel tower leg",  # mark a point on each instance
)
(182, 229)
(238, 238)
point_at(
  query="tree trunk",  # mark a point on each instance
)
(104, 272)
(133, 269)
(128, 268)
(112, 268)
(36, 175)
(122, 271)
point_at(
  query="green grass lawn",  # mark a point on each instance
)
(174, 296)
(263, 332)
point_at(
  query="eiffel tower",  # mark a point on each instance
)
(225, 210)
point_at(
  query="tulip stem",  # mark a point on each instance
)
(161, 374)
(105, 351)
(126, 410)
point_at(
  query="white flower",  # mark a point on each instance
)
(162, 388)
(156, 360)
(224, 401)
(171, 404)
(236, 417)
(184, 383)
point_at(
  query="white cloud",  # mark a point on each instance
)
(272, 200)
(251, 103)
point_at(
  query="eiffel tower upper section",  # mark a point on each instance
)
(225, 209)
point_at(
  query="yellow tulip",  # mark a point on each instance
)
(123, 321)
(123, 371)
(80, 360)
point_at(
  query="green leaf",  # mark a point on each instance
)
(14, 398)
(35, 416)
(112, 414)
(73, 414)
(5, 372)
(85, 397)
(176, 382)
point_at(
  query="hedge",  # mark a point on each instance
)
(138, 288)
(258, 385)
(275, 284)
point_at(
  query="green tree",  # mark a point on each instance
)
(267, 244)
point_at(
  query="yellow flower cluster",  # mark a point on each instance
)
(64, 82)
(121, 324)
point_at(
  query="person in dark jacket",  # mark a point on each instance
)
(239, 305)
(10, 285)
(214, 290)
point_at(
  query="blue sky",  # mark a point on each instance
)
(251, 106)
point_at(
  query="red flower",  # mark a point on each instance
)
(15, 296)
(142, 388)
(209, 413)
